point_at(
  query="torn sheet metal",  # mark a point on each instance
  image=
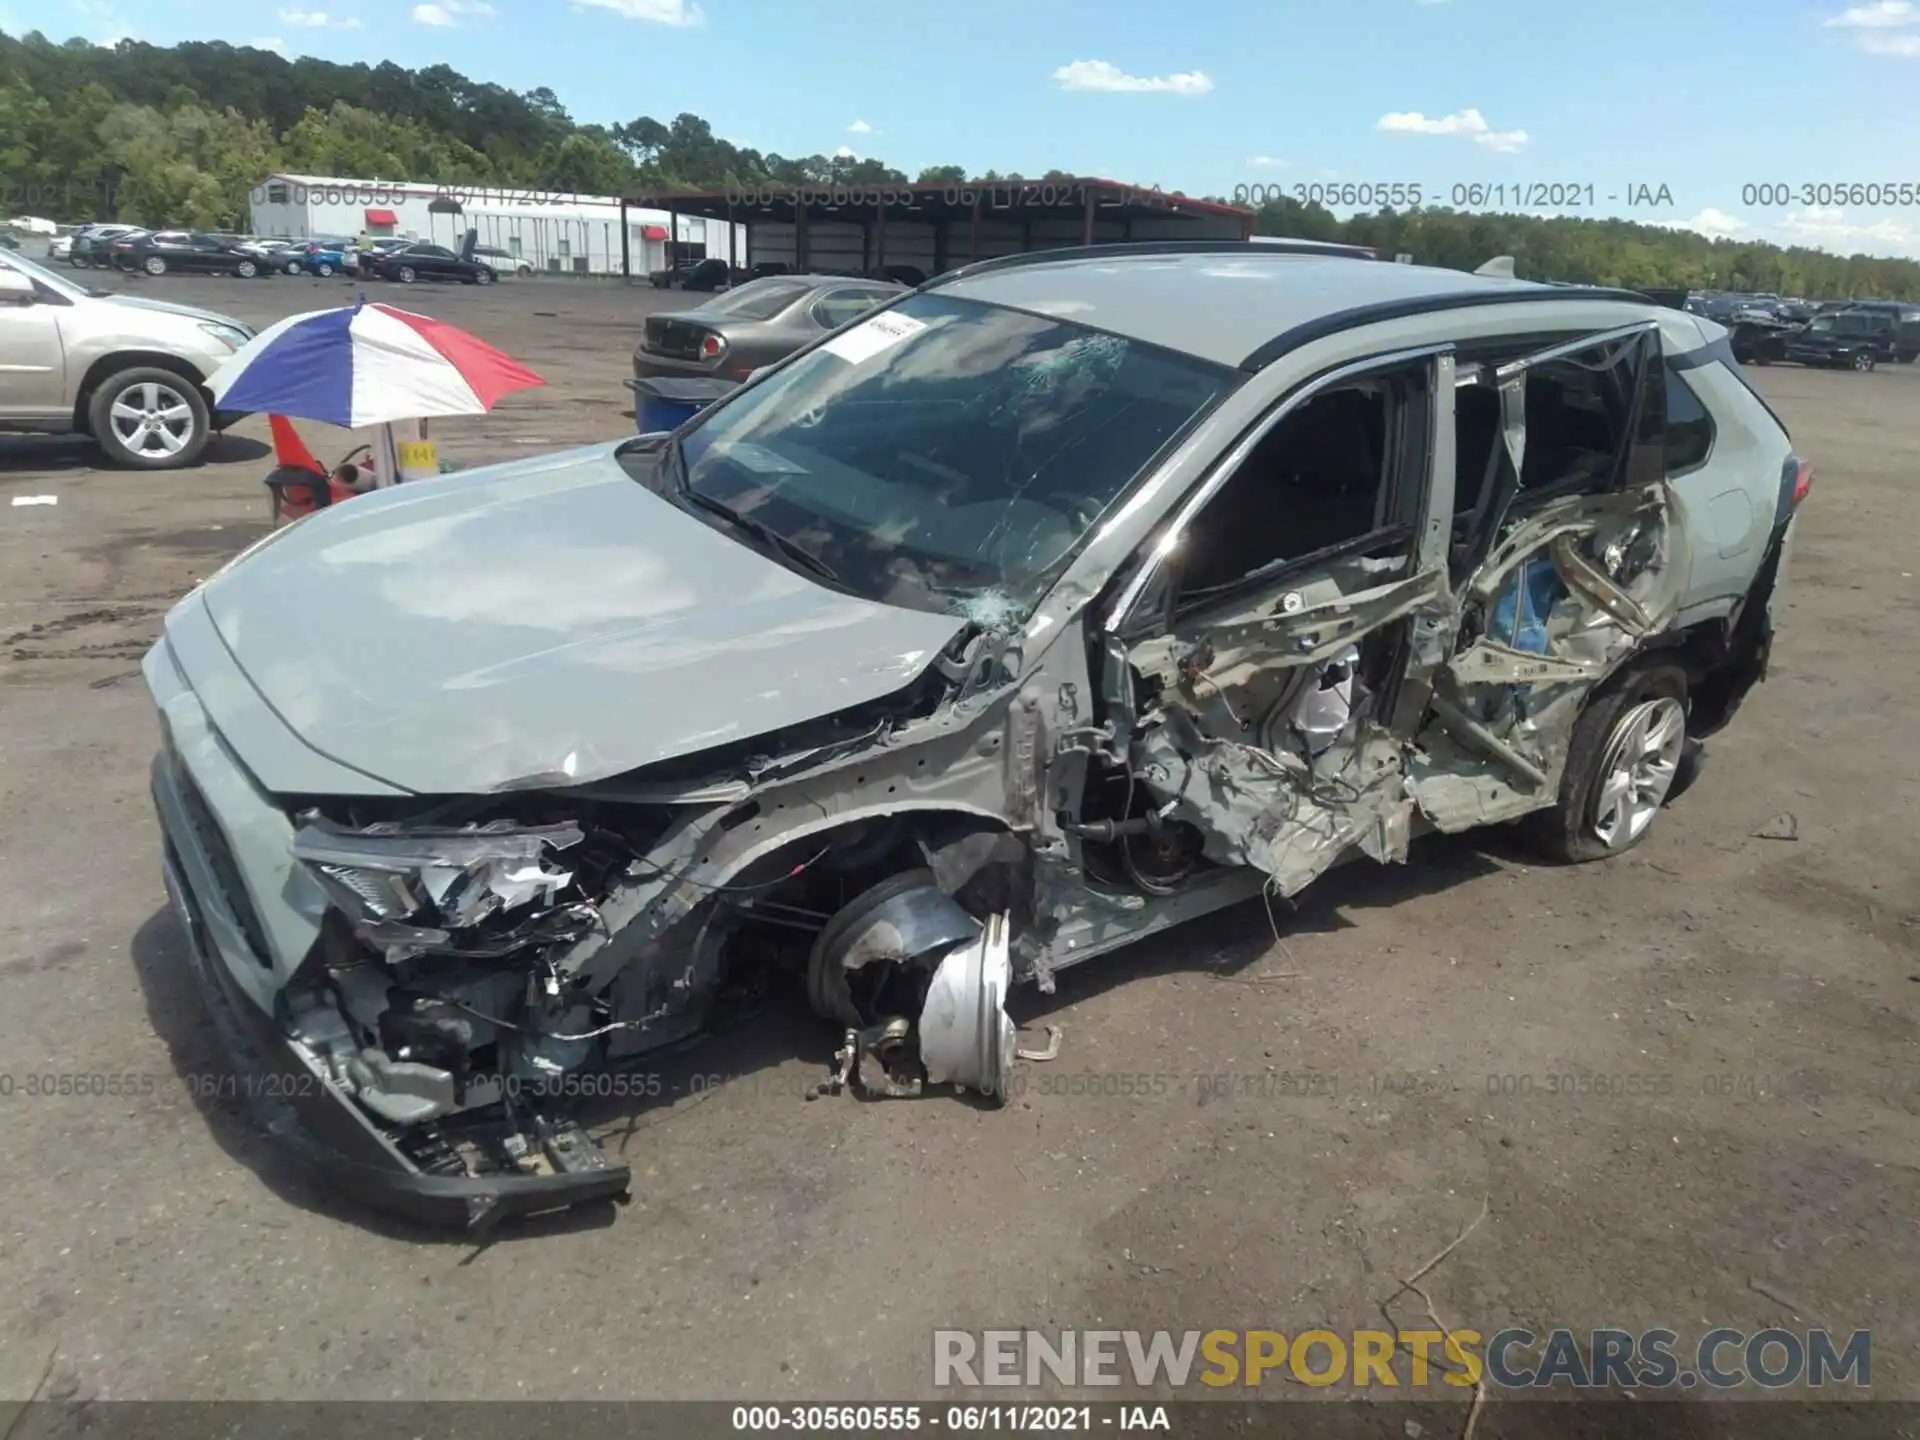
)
(1325, 707)
(1566, 597)
(1275, 811)
(1310, 623)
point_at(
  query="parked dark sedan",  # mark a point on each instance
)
(732, 335)
(712, 274)
(159, 251)
(92, 246)
(423, 261)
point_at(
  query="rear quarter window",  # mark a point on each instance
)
(1689, 426)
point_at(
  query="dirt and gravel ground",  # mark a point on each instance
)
(1742, 1150)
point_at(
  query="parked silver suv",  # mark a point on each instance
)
(128, 371)
(1070, 596)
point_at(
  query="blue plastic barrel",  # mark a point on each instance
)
(667, 404)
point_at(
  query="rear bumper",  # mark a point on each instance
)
(649, 366)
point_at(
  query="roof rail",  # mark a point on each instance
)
(1337, 320)
(1122, 249)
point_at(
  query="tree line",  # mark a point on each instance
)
(180, 135)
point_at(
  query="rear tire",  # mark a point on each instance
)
(483, 276)
(1863, 362)
(1625, 757)
(323, 270)
(155, 265)
(246, 269)
(406, 274)
(121, 408)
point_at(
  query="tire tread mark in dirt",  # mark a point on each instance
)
(24, 647)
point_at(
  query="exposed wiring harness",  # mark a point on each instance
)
(811, 860)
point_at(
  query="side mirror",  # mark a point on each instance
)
(15, 288)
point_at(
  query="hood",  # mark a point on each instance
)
(190, 312)
(546, 622)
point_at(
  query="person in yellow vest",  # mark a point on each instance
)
(363, 245)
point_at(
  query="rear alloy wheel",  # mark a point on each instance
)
(1625, 754)
(293, 268)
(155, 265)
(246, 269)
(1863, 361)
(150, 419)
(483, 276)
(406, 274)
(323, 270)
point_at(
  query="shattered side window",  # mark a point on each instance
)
(1581, 417)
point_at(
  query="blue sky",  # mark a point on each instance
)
(1704, 97)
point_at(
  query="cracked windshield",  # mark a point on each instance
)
(720, 716)
(946, 454)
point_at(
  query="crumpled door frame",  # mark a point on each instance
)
(1290, 816)
(1227, 788)
(1448, 775)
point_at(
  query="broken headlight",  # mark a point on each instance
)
(455, 877)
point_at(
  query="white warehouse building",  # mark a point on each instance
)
(552, 232)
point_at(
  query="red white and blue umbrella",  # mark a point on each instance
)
(366, 365)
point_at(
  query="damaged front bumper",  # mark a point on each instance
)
(231, 941)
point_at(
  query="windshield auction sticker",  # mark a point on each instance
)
(871, 336)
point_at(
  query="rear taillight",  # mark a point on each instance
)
(1802, 478)
(711, 346)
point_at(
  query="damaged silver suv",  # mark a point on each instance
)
(1070, 596)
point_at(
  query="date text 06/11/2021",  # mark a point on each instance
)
(1459, 195)
(962, 194)
(955, 1419)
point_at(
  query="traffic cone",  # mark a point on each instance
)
(289, 449)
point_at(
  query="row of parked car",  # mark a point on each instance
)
(713, 274)
(160, 252)
(1840, 334)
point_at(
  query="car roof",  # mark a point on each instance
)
(1225, 305)
(818, 279)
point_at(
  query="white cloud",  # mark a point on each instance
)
(1831, 228)
(106, 27)
(861, 127)
(845, 152)
(1101, 75)
(318, 20)
(270, 42)
(1712, 223)
(1881, 15)
(1871, 24)
(1470, 123)
(1266, 162)
(444, 14)
(684, 14)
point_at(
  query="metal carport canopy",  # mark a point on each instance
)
(862, 227)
